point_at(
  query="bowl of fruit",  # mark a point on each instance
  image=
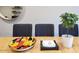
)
(22, 44)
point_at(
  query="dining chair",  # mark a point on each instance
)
(71, 31)
(44, 30)
(22, 30)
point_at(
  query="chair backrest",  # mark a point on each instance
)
(22, 30)
(44, 30)
(71, 31)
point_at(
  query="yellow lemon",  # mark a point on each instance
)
(30, 43)
(14, 44)
(10, 43)
(23, 40)
(26, 43)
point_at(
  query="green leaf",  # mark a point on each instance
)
(69, 19)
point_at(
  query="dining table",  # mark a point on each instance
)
(4, 48)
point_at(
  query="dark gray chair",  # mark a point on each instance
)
(44, 30)
(72, 31)
(22, 30)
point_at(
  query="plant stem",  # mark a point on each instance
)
(67, 32)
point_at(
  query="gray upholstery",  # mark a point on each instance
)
(72, 31)
(22, 30)
(44, 30)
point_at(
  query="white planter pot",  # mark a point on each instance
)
(67, 41)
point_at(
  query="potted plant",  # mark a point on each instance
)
(68, 21)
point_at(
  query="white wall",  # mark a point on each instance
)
(37, 15)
